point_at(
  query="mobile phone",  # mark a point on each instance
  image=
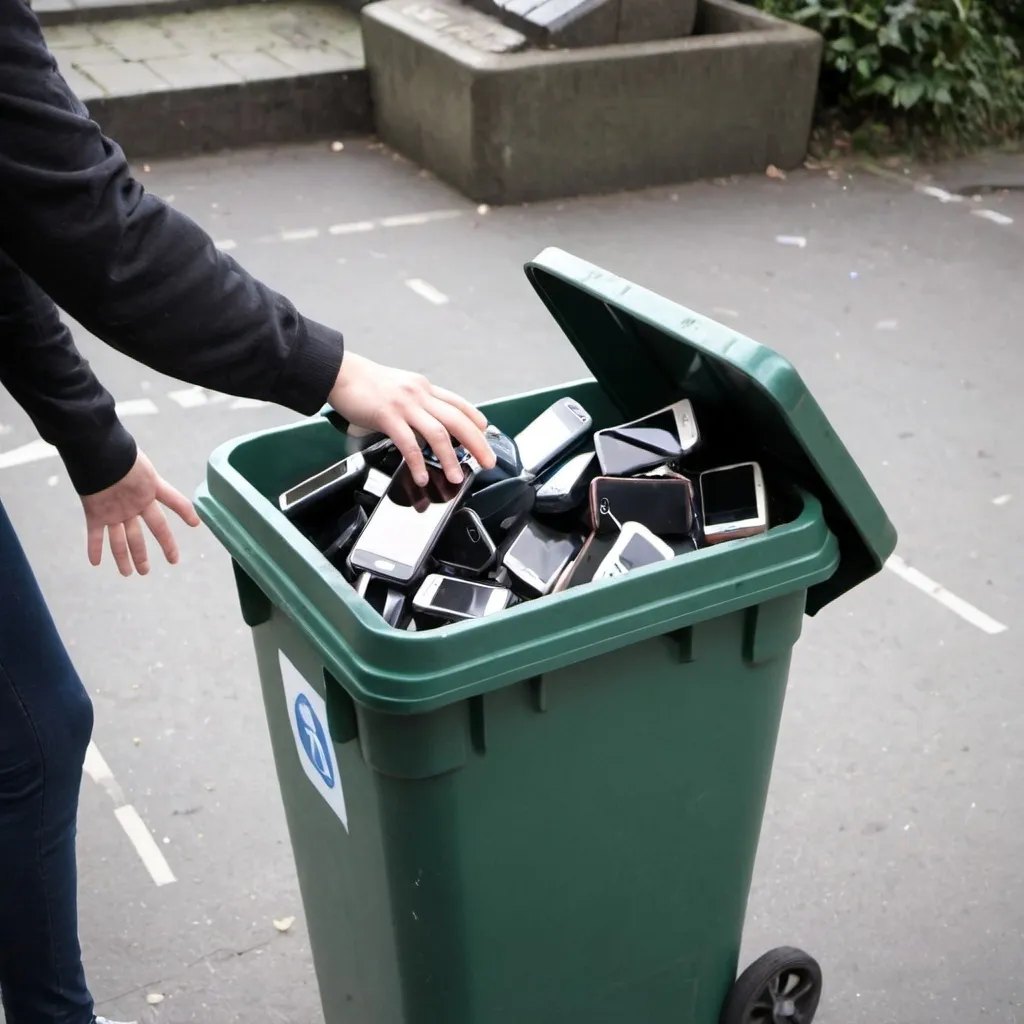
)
(566, 487)
(537, 555)
(663, 504)
(454, 598)
(582, 568)
(466, 544)
(653, 440)
(733, 502)
(501, 505)
(553, 432)
(386, 600)
(634, 548)
(328, 482)
(407, 522)
(373, 489)
(349, 525)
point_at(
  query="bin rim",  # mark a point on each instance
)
(406, 673)
(609, 322)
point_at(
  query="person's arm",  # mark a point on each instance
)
(133, 270)
(48, 377)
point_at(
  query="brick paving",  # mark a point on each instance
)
(231, 45)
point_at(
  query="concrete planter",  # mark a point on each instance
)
(463, 96)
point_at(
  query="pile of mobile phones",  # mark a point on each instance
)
(564, 506)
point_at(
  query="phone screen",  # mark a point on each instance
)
(544, 552)
(407, 519)
(462, 598)
(729, 495)
(547, 435)
(638, 552)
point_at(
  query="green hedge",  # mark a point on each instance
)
(947, 69)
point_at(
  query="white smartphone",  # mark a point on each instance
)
(634, 548)
(453, 598)
(537, 555)
(329, 481)
(407, 521)
(554, 431)
(733, 502)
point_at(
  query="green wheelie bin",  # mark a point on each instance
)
(550, 816)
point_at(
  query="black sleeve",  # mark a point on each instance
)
(47, 376)
(134, 271)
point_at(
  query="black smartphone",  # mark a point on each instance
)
(595, 550)
(663, 504)
(566, 487)
(346, 529)
(466, 544)
(390, 603)
(501, 505)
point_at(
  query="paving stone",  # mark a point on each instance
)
(137, 40)
(311, 60)
(52, 6)
(194, 71)
(84, 88)
(98, 54)
(64, 37)
(129, 78)
(255, 67)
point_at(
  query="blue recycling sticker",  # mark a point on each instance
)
(314, 740)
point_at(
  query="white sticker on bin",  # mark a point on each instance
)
(307, 713)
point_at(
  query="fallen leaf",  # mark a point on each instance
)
(773, 172)
(154, 998)
(283, 924)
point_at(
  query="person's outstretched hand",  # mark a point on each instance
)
(401, 405)
(118, 510)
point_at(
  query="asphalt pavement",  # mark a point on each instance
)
(894, 838)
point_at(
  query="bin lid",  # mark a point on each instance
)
(648, 352)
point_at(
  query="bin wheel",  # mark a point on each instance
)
(781, 987)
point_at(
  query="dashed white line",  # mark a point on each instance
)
(940, 193)
(136, 407)
(993, 215)
(226, 244)
(426, 291)
(946, 598)
(192, 398)
(98, 770)
(299, 234)
(353, 228)
(247, 403)
(1003, 499)
(410, 219)
(34, 451)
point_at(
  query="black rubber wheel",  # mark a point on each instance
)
(781, 987)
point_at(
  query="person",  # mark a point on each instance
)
(79, 232)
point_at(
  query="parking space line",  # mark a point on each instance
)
(34, 451)
(130, 820)
(427, 291)
(946, 598)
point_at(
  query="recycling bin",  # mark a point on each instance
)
(550, 816)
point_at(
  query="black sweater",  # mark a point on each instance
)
(77, 228)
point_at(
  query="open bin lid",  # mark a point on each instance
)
(648, 352)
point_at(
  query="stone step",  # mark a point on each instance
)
(247, 74)
(80, 12)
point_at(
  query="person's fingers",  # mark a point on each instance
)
(176, 502)
(137, 545)
(94, 543)
(405, 441)
(458, 423)
(436, 434)
(119, 548)
(155, 519)
(467, 407)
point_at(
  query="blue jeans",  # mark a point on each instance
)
(45, 725)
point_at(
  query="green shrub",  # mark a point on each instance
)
(939, 68)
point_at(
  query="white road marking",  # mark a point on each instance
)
(145, 845)
(353, 228)
(98, 770)
(226, 244)
(5, 428)
(939, 593)
(34, 451)
(993, 215)
(797, 241)
(137, 407)
(426, 291)
(940, 193)
(299, 235)
(248, 403)
(410, 219)
(1003, 499)
(192, 398)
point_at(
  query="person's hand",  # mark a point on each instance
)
(117, 511)
(402, 405)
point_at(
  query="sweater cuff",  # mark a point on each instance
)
(99, 459)
(312, 368)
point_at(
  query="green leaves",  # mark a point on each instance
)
(946, 68)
